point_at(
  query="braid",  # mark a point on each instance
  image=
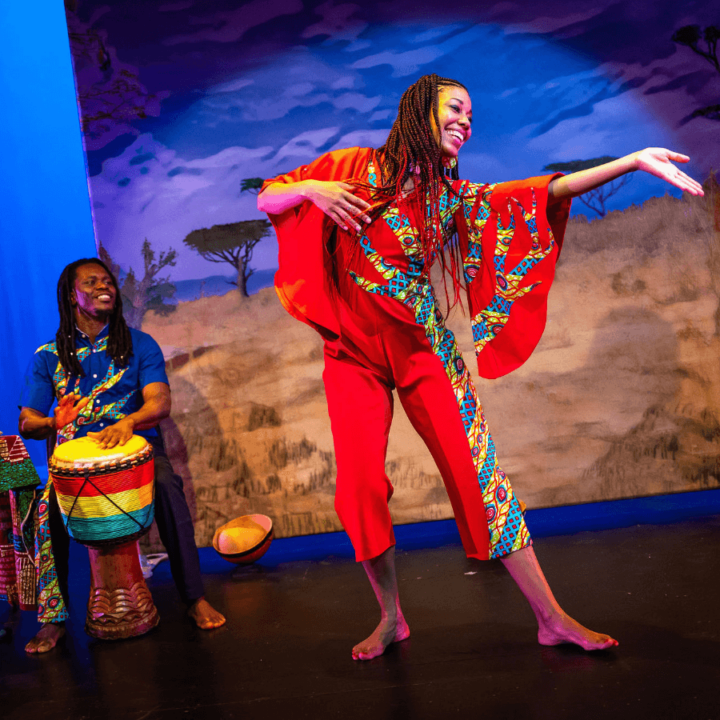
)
(411, 150)
(65, 336)
(119, 346)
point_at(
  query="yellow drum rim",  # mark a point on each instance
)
(86, 453)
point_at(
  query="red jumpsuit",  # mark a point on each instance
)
(377, 312)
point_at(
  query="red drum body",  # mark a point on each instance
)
(106, 497)
(120, 604)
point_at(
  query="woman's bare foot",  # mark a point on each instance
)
(554, 625)
(206, 617)
(561, 628)
(392, 628)
(387, 632)
(46, 639)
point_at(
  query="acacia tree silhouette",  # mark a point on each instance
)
(148, 292)
(594, 199)
(251, 185)
(691, 36)
(232, 243)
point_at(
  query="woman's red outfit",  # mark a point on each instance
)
(371, 299)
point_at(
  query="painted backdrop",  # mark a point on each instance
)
(186, 106)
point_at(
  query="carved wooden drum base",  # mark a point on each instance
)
(120, 604)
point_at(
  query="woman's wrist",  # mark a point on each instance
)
(632, 162)
(306, 189)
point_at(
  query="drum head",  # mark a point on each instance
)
(86, 451)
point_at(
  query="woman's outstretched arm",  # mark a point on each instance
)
(656, 161)
(335, 199)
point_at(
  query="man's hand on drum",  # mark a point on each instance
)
(117, 434)
(68, 408)
(337, 201)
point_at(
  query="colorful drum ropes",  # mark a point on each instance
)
(105, 495)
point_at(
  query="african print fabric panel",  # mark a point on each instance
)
(18, 582)
(509, 256)
(93, 410)
(506, 525)
(51, 606)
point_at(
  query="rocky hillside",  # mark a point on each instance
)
(621, 398)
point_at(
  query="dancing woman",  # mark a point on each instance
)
(359, 230)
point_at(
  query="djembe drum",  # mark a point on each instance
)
(106, 497)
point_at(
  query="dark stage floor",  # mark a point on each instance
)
(285, 652)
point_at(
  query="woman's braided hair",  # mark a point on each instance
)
(411, 150)
(119, 346)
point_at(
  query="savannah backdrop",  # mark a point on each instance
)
(186, 106)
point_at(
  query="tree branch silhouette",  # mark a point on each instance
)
(595, 199)
(692, 36)
(150, 291)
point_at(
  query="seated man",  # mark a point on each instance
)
(110, 383)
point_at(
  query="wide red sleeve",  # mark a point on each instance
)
(510, 239)
(303, 281)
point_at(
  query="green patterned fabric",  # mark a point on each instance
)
(16, 468)
(18, 475)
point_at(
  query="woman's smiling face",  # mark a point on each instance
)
(455, 116)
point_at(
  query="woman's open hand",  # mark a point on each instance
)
(337, 201)
(659, 162)
(656, 161)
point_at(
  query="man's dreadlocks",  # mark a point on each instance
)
(119, 346)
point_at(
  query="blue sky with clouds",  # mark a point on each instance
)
(256, 88)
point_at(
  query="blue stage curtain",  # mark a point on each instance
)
(45, 217)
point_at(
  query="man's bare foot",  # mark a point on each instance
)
(387, 632)
(46, 639)
(561, 628)
(206, 617)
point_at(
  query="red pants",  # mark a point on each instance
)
(382, 347)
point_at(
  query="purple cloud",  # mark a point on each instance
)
(230, 26)
(337, 22)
